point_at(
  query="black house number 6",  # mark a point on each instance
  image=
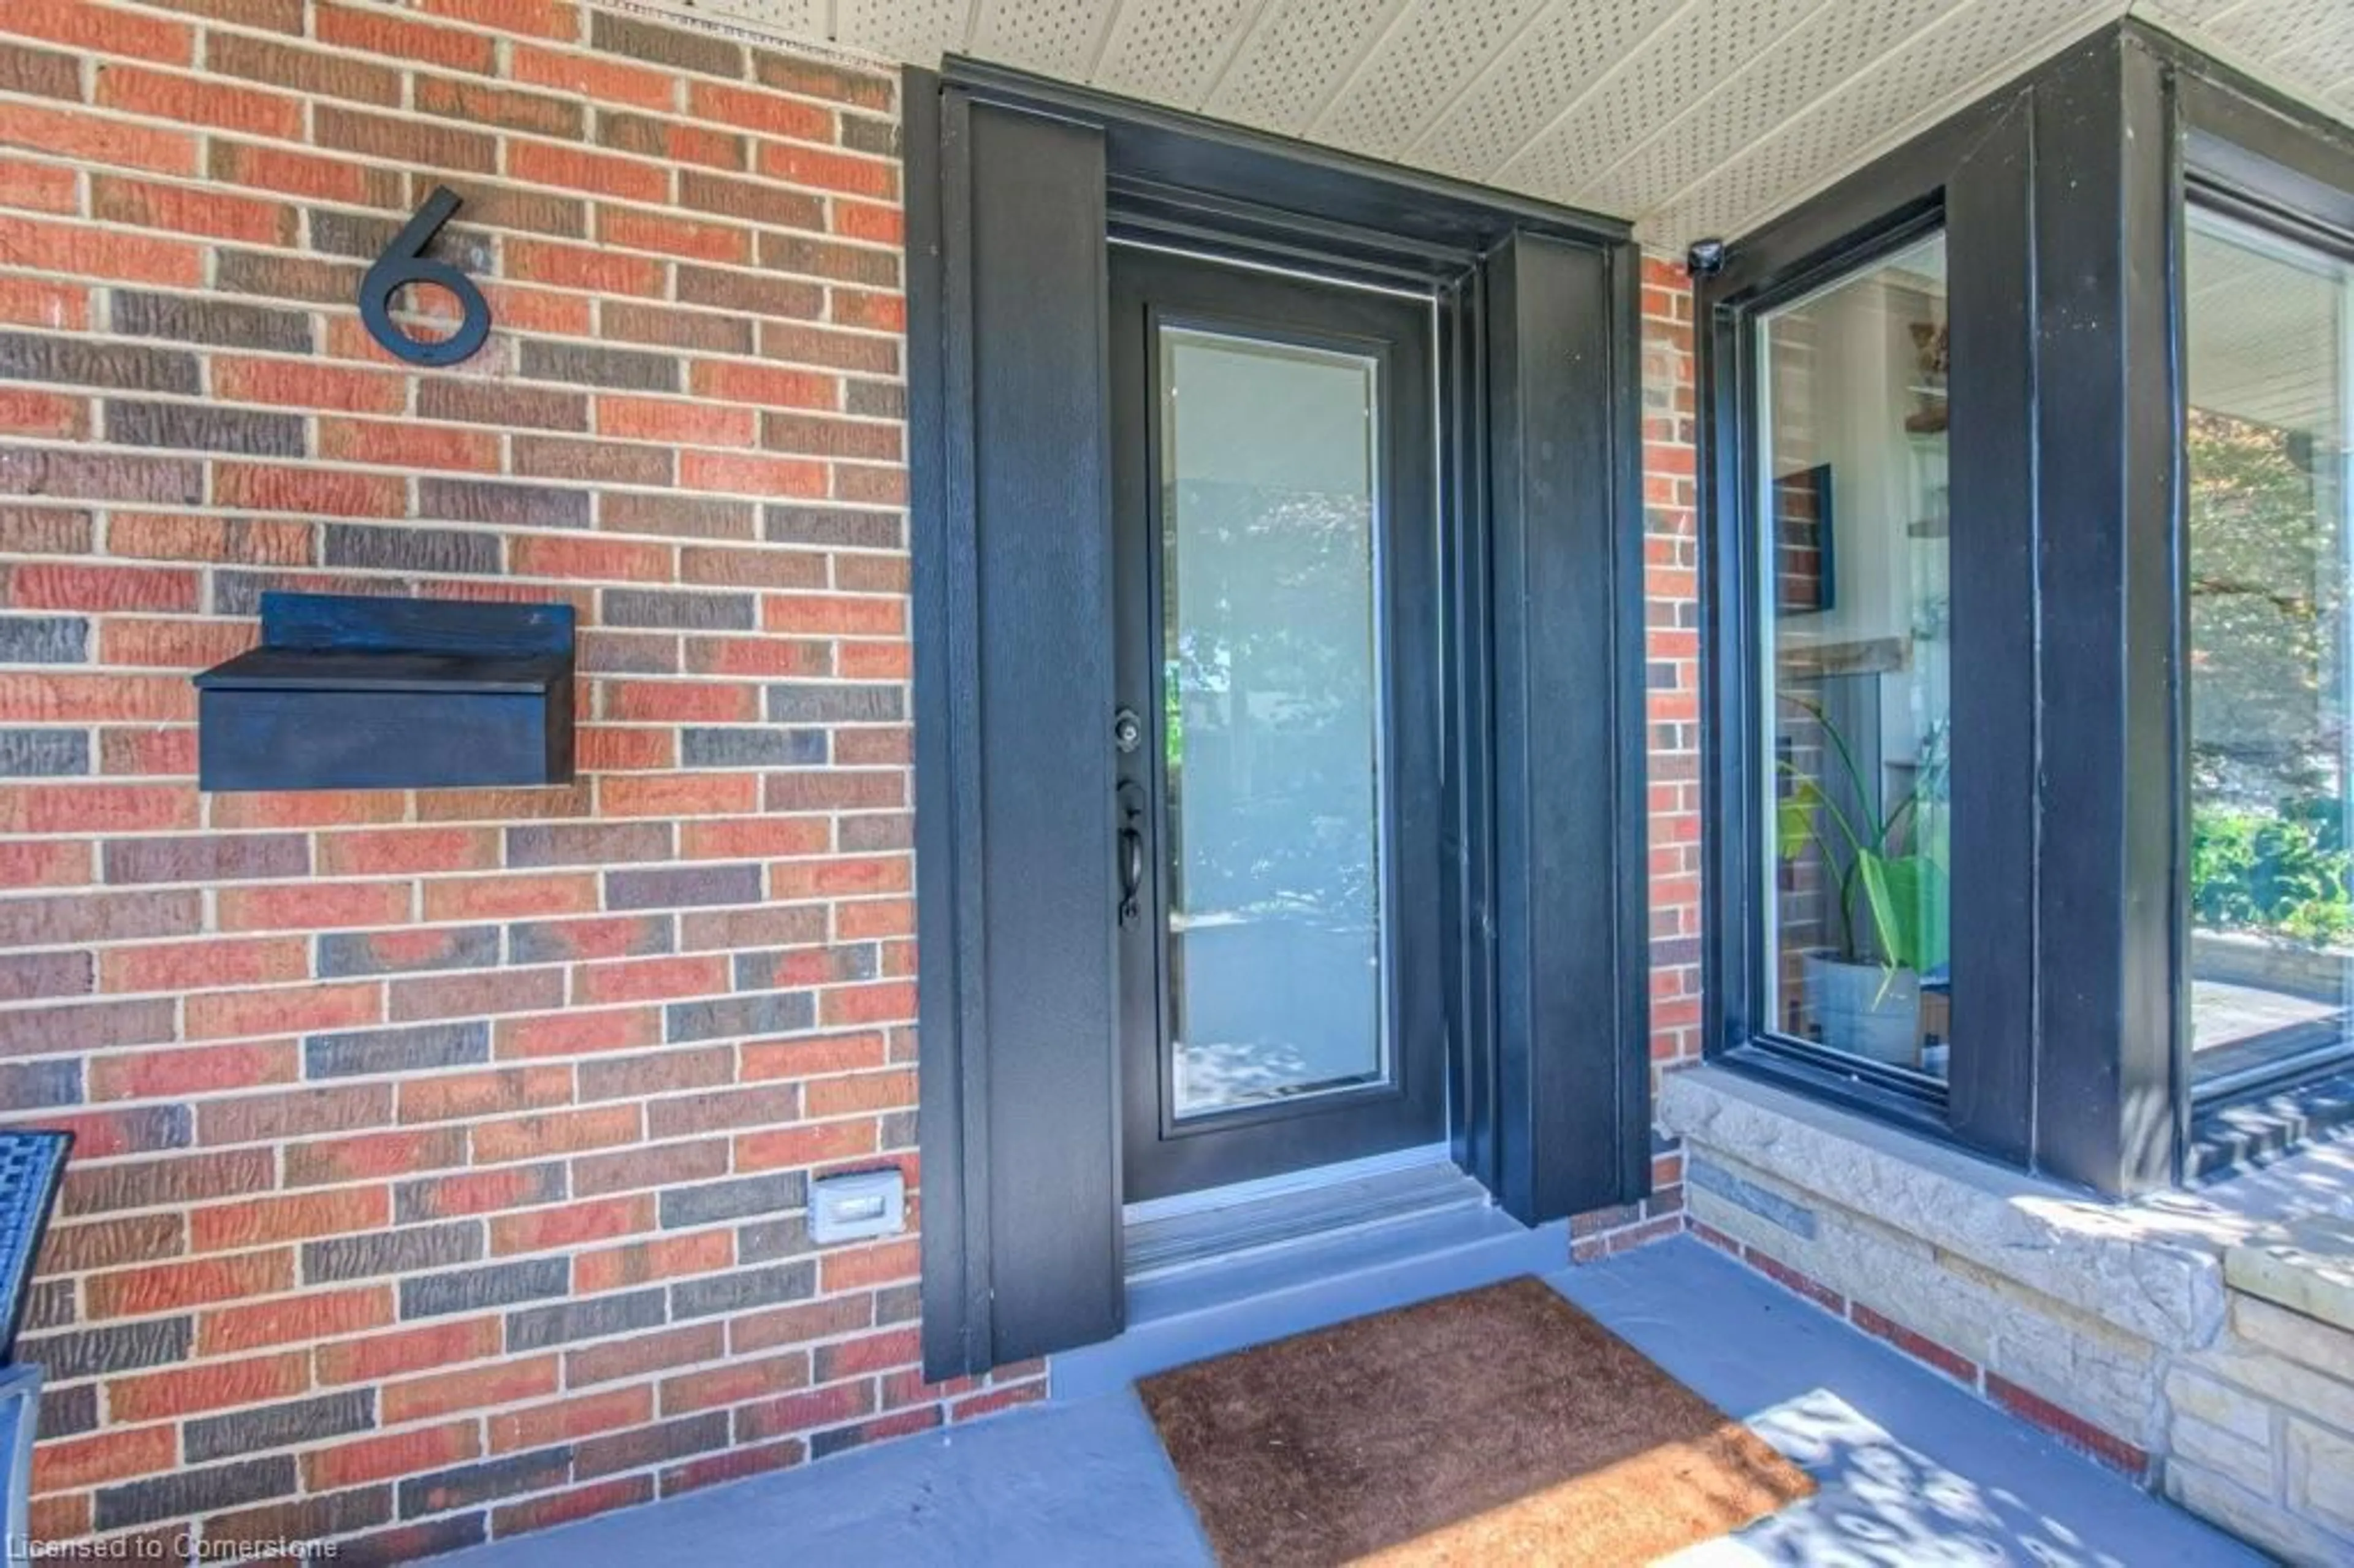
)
(403, 263)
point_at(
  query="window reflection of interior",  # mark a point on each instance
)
(1858, 644)
(2266, 442)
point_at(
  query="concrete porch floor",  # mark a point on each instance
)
(1913, 1470)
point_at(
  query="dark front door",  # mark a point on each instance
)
(1278, 732)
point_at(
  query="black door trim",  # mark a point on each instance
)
(1544, 841)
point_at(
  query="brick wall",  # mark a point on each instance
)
(442, 1155)
(1671, 620)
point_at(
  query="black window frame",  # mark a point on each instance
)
(1954, 182)
(2245, 154)
(2063, 197)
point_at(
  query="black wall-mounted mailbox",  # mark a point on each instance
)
(391, 693)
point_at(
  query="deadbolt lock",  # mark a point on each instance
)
(1127, 731)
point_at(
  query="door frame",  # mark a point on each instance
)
(1015, 186)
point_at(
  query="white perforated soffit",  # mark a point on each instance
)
(1692, 117)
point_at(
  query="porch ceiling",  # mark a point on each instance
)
(1691, 117)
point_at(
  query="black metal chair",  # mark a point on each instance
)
(30, 1166)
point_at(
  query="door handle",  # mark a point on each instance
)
(1131, 852)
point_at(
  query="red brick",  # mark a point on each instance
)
(557, 19)
(865, 1266)
(789, 1146)
(181, 1075)
(294, 1318)
(459, 996)
(456, 1096)
(45, 303)
(109, 1457)
(714, 1469)
(574, 1034)
(573, 1224)
(330, 493)
(650, 980)
(228, 1014)
(383, 1458)
(747, 475)
(804, 1322)
(39, 187)
(143, 204)
(797, 1413)
(576, 168)
(298, 383)
(2072, 1429)
(376, 31)
(642, 1354)
(735, 1383)
(841, 171)
(207, 1386)
(858, 220)
(598, 80)
(398, 444)
(259, 1221)
(765, 385)
(382, 1356)
(482, 1388)
(314, 907)
(680, 702)
(97, 252)
(102, 29)
(642, 1262)
(760, 838)
(551, 1509)
(537, 1137)
(94, 808)
(539, 1425)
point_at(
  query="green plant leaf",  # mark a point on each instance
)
(1908, 895)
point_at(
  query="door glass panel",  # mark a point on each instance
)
(1270, 647)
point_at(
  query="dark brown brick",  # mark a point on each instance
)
(122, 1347)
(634, 1450)
(308, 1519)
(207, 857)
(496, 1285)
(503, 506)
(33, 977)
(42, 754)
(267, 1426)
(665, 46)
(330, 75)
(391, 1251)
(814, 435)
(85, 1026)
(101, 476)
(833, 526)
(312, 279)
(44, 639)
(39, 73)
(515, 208)
(83, 362)
(449, 98)
(145, 1184)
(703, 330)
(301, 1113)
(413, 1543)
(413, 142)
(355, 1053)
(556, 942)
(823, 258)
(501, 403)
(594, 462)
(204, 428)
(45, 531)
(684, 1116)
(746, 1197)
(39, 1086)
(224, 322)
(862, 134)
(440, 1197)
(750, 293)
(816, 78)
(672, 140)
(681, 611)
(403, 546)
(112, 1244)
(629, 368)
(65, 1411)
(673, 887)
(365, 236)
(743, 1290)
(185, 1492)
(596, 1317)
(750, 201)
(587, 843)
(676, 516)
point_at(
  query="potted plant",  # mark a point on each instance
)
(1890, 881)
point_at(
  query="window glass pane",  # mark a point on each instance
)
(2265, 441)
(1272, 685)
(1857, 660)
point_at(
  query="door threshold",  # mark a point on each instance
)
(1199, 1229)
(1227, 1303)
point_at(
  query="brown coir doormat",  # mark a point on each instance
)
(1499, 1425)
